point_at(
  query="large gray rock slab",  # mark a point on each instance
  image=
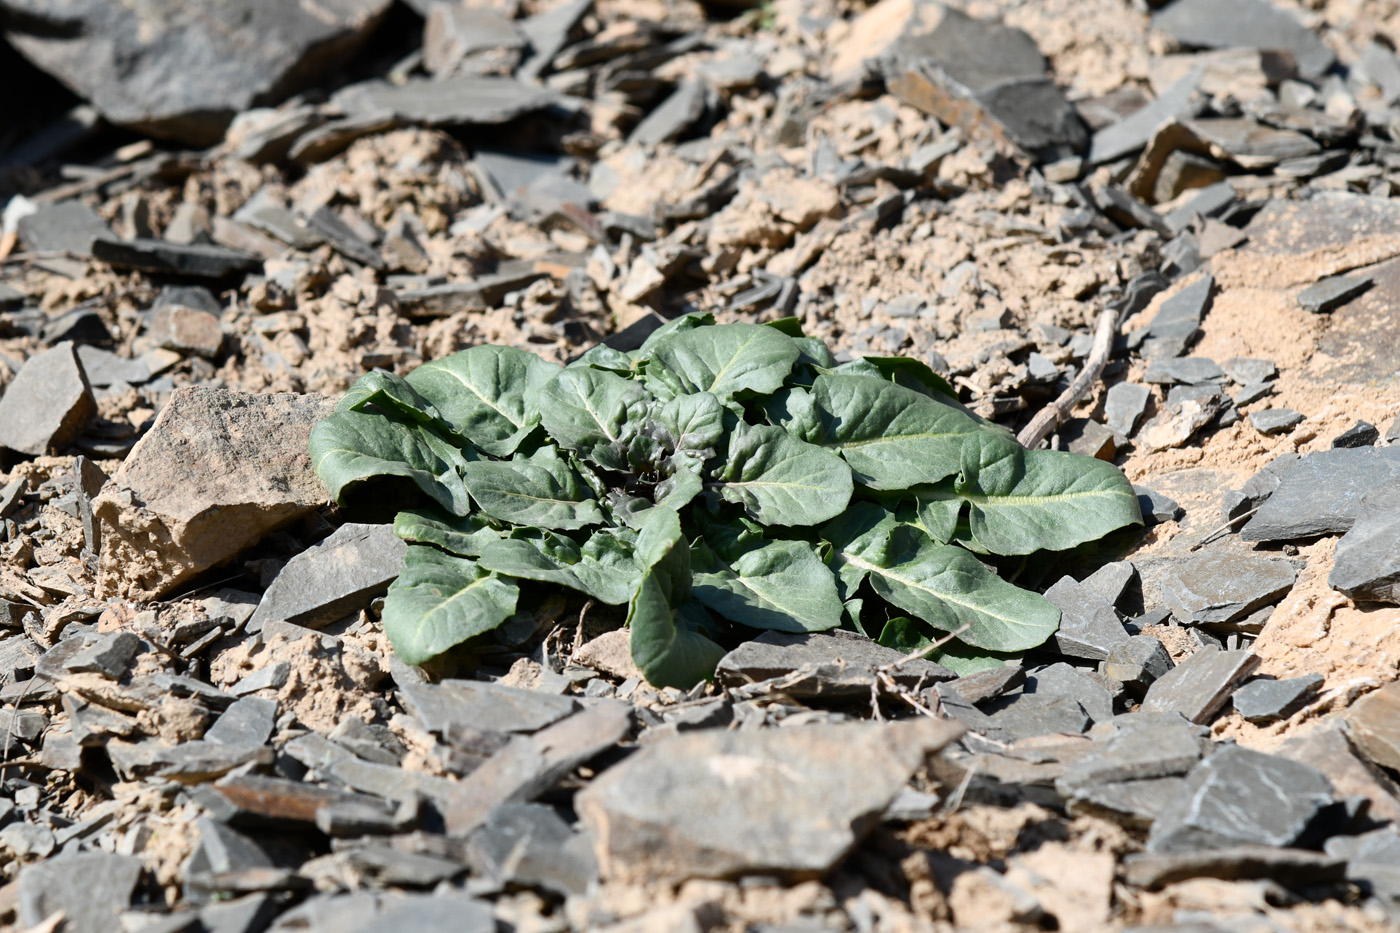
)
(821, 664)
(180, 70)
(333, 578)
(68, 226)
(1242, 797)
(1373, 724)
(1198, 687)
(1322, 493)
(988, 78)
(92, 889)
(1089, 625)
(1254, 24)
(1367, 559)
(47, 404)
(199, 260)
(719, 804)
(1326, 748)
(486, 707)
(216, 472)
(1219, 587)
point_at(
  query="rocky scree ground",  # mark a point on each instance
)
(204, 727)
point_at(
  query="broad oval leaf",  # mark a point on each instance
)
(351, 447)
(439, 601)
(1021, 501)
(780, 480)
(542, 491)
(674, 326)
(690, 422)
(781, 585)
(892, 437)
(946, 587)
(665, 640)
(488, 394)
(905, 371)
(603, 568)
(594, 412)
(464, 536)
(725, 359)
(861, 527)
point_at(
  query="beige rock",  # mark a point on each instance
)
(611, 654)
(1374, 726)
(217, 471)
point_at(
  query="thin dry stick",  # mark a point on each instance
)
(926, 650)
(1222, 529)
(1051, 415)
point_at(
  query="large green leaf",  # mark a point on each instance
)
(722, 360)
(542, 491)
(602, 568)
(902, 370)
(942, 585)
(665, 639)
(781, 480)
(690, 422)
(594, 412)
(351, 447)
(489, 394)
(1023, 501)
(781, 585)
(464, 536)
(674, 326)
(440, 601)
(892, 437)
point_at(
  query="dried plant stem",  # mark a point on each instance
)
(1051, 415)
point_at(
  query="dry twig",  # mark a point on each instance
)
(1051, 415)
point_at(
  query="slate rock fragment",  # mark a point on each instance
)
(1137, 662)
(1275, 420)
(672, 117)
(1186, 370)
(110, 655)
(1248, 371)
(1028, 715)
(1083, 686)
(1219, 587)
(1124, 406)
(1112, 581)
(47, 404)
(989, 79)
(529, 845)
(1373, 725)
(1089, 626)
(91, 888)
(181, 72)
(1327, 749)
(485, 706)
(1238, 796)
(1182, 99)
(1253, 24)
(68, 226)
(196, 260)
(470, 40)
(1361, 434)
(1322, 493)
(464, 100)
(1266, 701)
(247, 722)
(343, 238)
(185, 330)
(1198, 687)
(706, 804)
(216, 471)
(333, 578)
(1366, 563)
(985, 685)
(1258, 488)
(1286, 866)
(1178, 320)
(821, 664)
(1330, 294)
(1156, 507)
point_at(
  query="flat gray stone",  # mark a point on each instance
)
(1255, 24)
(820, 664)
(1253, 392)
(484, 706)
(985, 685)
(1028, 715)
(1137, 662)
(1124, 406)
(436, 911)
(1361, 434)
(1245, 370)
(247, 722)
(104, 368)
(1219, 587)
(672, 117)
(1152, 751)
(1186, 370)
(1326, 748)
(67, 227)
(1275, 420)
(333, 578)
(1266, 701)
(1111, 581)
(1178, 320)
(461, 100)
(1373, 725)
(110, 655)
(719, 804)
(199, 260)
(1252, 144)
(1330, 294)
(1198, 687)
(1156, 507)
(1083, 686)
(343, 239)
(185, 330)
(529, 845)
(180, 71)
(47, 404)
(1181, 100)
(1367, 560)
(1209, 201)
(1322, 493)
(1288, 867)
(1089, 626)
(92, 889)
(1258, 488)
(1134, 805)
(1242, 797)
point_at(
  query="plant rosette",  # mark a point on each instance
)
(721, 480)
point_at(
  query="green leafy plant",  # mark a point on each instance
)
(720, 480)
